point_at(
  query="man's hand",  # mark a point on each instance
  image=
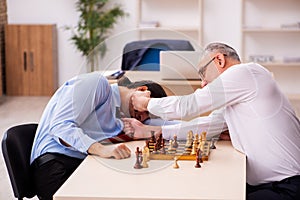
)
(128, 128)
(139, 129)
(140, 100)
(119, 151)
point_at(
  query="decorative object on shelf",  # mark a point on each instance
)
(261, 58)
(95, 21)
(290, 59)
(295, 25)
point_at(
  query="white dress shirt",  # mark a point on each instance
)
(260, 119)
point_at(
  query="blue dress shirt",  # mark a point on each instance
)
(81, 112)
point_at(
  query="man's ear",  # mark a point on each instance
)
(220, 59)
(142, 88)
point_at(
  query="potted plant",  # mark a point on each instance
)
(95, 21)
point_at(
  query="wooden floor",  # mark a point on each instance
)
(18, 110)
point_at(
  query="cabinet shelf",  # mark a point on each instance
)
(270, 30)
(183, 29)
(279, 64)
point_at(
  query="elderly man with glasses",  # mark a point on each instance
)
(261, 121)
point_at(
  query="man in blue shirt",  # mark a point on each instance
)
(81, 113)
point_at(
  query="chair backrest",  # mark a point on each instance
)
(144, 54)
(16, 149)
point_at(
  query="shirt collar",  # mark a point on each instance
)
(116, 94)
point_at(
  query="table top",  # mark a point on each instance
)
(223, 176)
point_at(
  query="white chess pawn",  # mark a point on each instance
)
(175, 166)
(189, 139)
(194, 148)
(170, 145)
(147, 153)
(144, 161)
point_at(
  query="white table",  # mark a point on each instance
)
(223, 176)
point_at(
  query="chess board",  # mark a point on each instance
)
(181, 152)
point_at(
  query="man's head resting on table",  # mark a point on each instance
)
(156, 91)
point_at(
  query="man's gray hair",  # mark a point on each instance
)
(218, 47)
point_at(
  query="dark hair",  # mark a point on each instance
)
(224, 49)
(156, 90)
(124, 81)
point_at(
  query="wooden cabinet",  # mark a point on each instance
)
(31, 59)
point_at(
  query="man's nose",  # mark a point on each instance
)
(203, 83)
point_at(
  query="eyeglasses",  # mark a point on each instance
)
(202, 69)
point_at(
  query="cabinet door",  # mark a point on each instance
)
(31, 61)
(16, 59)
(42, 62)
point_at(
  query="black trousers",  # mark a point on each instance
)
(287, 189)
(50, 171)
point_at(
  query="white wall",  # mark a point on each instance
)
(57, 12)
(221, 22)
(62, 13)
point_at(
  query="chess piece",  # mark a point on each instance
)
(158, 142)
(150, 145)
(175, 166)
(200, 155)
(147, 143)
(145, 159)
(196, 137)
(138, 161)
(203, 136)
(198, 159)
(200, 142)
(170, 148)
(152, 139)
(147, 153)
(194, 147)
(175, 143)
(189, 139)
(155, 150)
(163, 149)
(213, 141)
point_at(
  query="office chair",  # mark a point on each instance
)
(143, 55)
(16, 149)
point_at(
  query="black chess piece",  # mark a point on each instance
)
(153, 139)
(138, 160)
(198, 159)
(158, 143)
(212, 146)
(163, 149)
